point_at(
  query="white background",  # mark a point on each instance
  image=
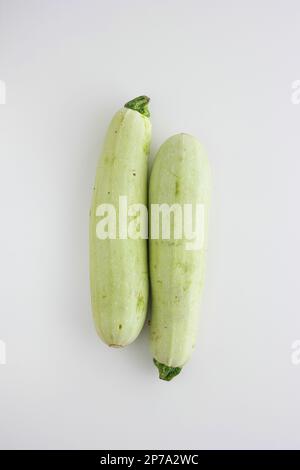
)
(223, 71)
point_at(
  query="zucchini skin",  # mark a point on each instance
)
(119, 267)
(180, 175)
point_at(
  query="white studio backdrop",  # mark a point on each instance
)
(225, 71)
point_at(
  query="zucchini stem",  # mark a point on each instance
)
(139, 104)
(166, 372)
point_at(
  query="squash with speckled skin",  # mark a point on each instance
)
(119, 267)
(180, 175)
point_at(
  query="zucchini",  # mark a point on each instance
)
(118, 267)
(180, 175)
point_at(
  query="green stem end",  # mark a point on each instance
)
(166, 372)
(139, 104)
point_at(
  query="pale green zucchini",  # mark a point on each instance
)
(118, 267)
(180, 175)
